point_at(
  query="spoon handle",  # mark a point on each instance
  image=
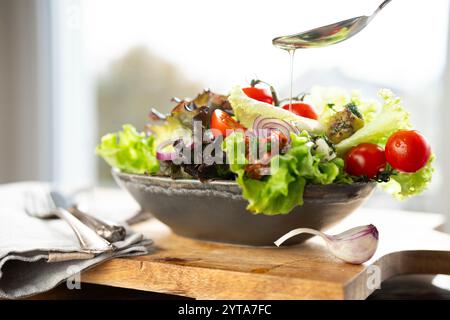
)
(89, 240)
(381, 6)
(110, 232)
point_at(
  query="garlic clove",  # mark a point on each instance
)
(356, 245)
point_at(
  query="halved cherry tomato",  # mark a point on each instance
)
(366, 159)
(302, 109)
(259, 94)
(222, 121)
(407, 151)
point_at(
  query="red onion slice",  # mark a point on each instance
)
(282, 126)
(163, 155)
(257, 121)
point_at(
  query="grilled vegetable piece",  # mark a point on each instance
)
(344, 124)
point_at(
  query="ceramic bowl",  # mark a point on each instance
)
(216, 211)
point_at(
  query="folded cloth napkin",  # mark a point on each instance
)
(36, 255)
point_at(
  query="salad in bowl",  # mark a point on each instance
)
(269, 164)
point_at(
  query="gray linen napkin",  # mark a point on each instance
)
(37, 255)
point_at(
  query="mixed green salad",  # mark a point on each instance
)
(273, 148)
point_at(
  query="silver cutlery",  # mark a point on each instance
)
(41, 205)
(326, 35)
(106, 230)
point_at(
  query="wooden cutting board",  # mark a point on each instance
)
(409, 243)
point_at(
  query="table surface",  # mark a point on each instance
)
(408, 244)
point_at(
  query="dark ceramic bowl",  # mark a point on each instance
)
(216, 211)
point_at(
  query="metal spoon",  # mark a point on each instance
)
(326, 35)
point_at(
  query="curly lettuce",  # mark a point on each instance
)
(406, 185)
(130, 151)
(329, 100)
(282, 190)
(169, 130)
(390, 119)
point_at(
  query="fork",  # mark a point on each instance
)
(37, 204)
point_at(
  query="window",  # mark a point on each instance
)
(112, 60)
(142, 53)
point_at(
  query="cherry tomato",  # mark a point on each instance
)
(366, 159)
(259, 94)
(407, 151)
(222, 121)
(302, 109)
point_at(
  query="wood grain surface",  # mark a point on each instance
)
(409, 244)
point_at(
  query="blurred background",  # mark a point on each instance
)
(73, 70)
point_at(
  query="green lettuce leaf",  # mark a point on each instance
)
(169, 130)
(390, 119)
(405, 185)
(282, 190)
(129, 151)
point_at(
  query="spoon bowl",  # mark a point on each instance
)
(326, 35)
